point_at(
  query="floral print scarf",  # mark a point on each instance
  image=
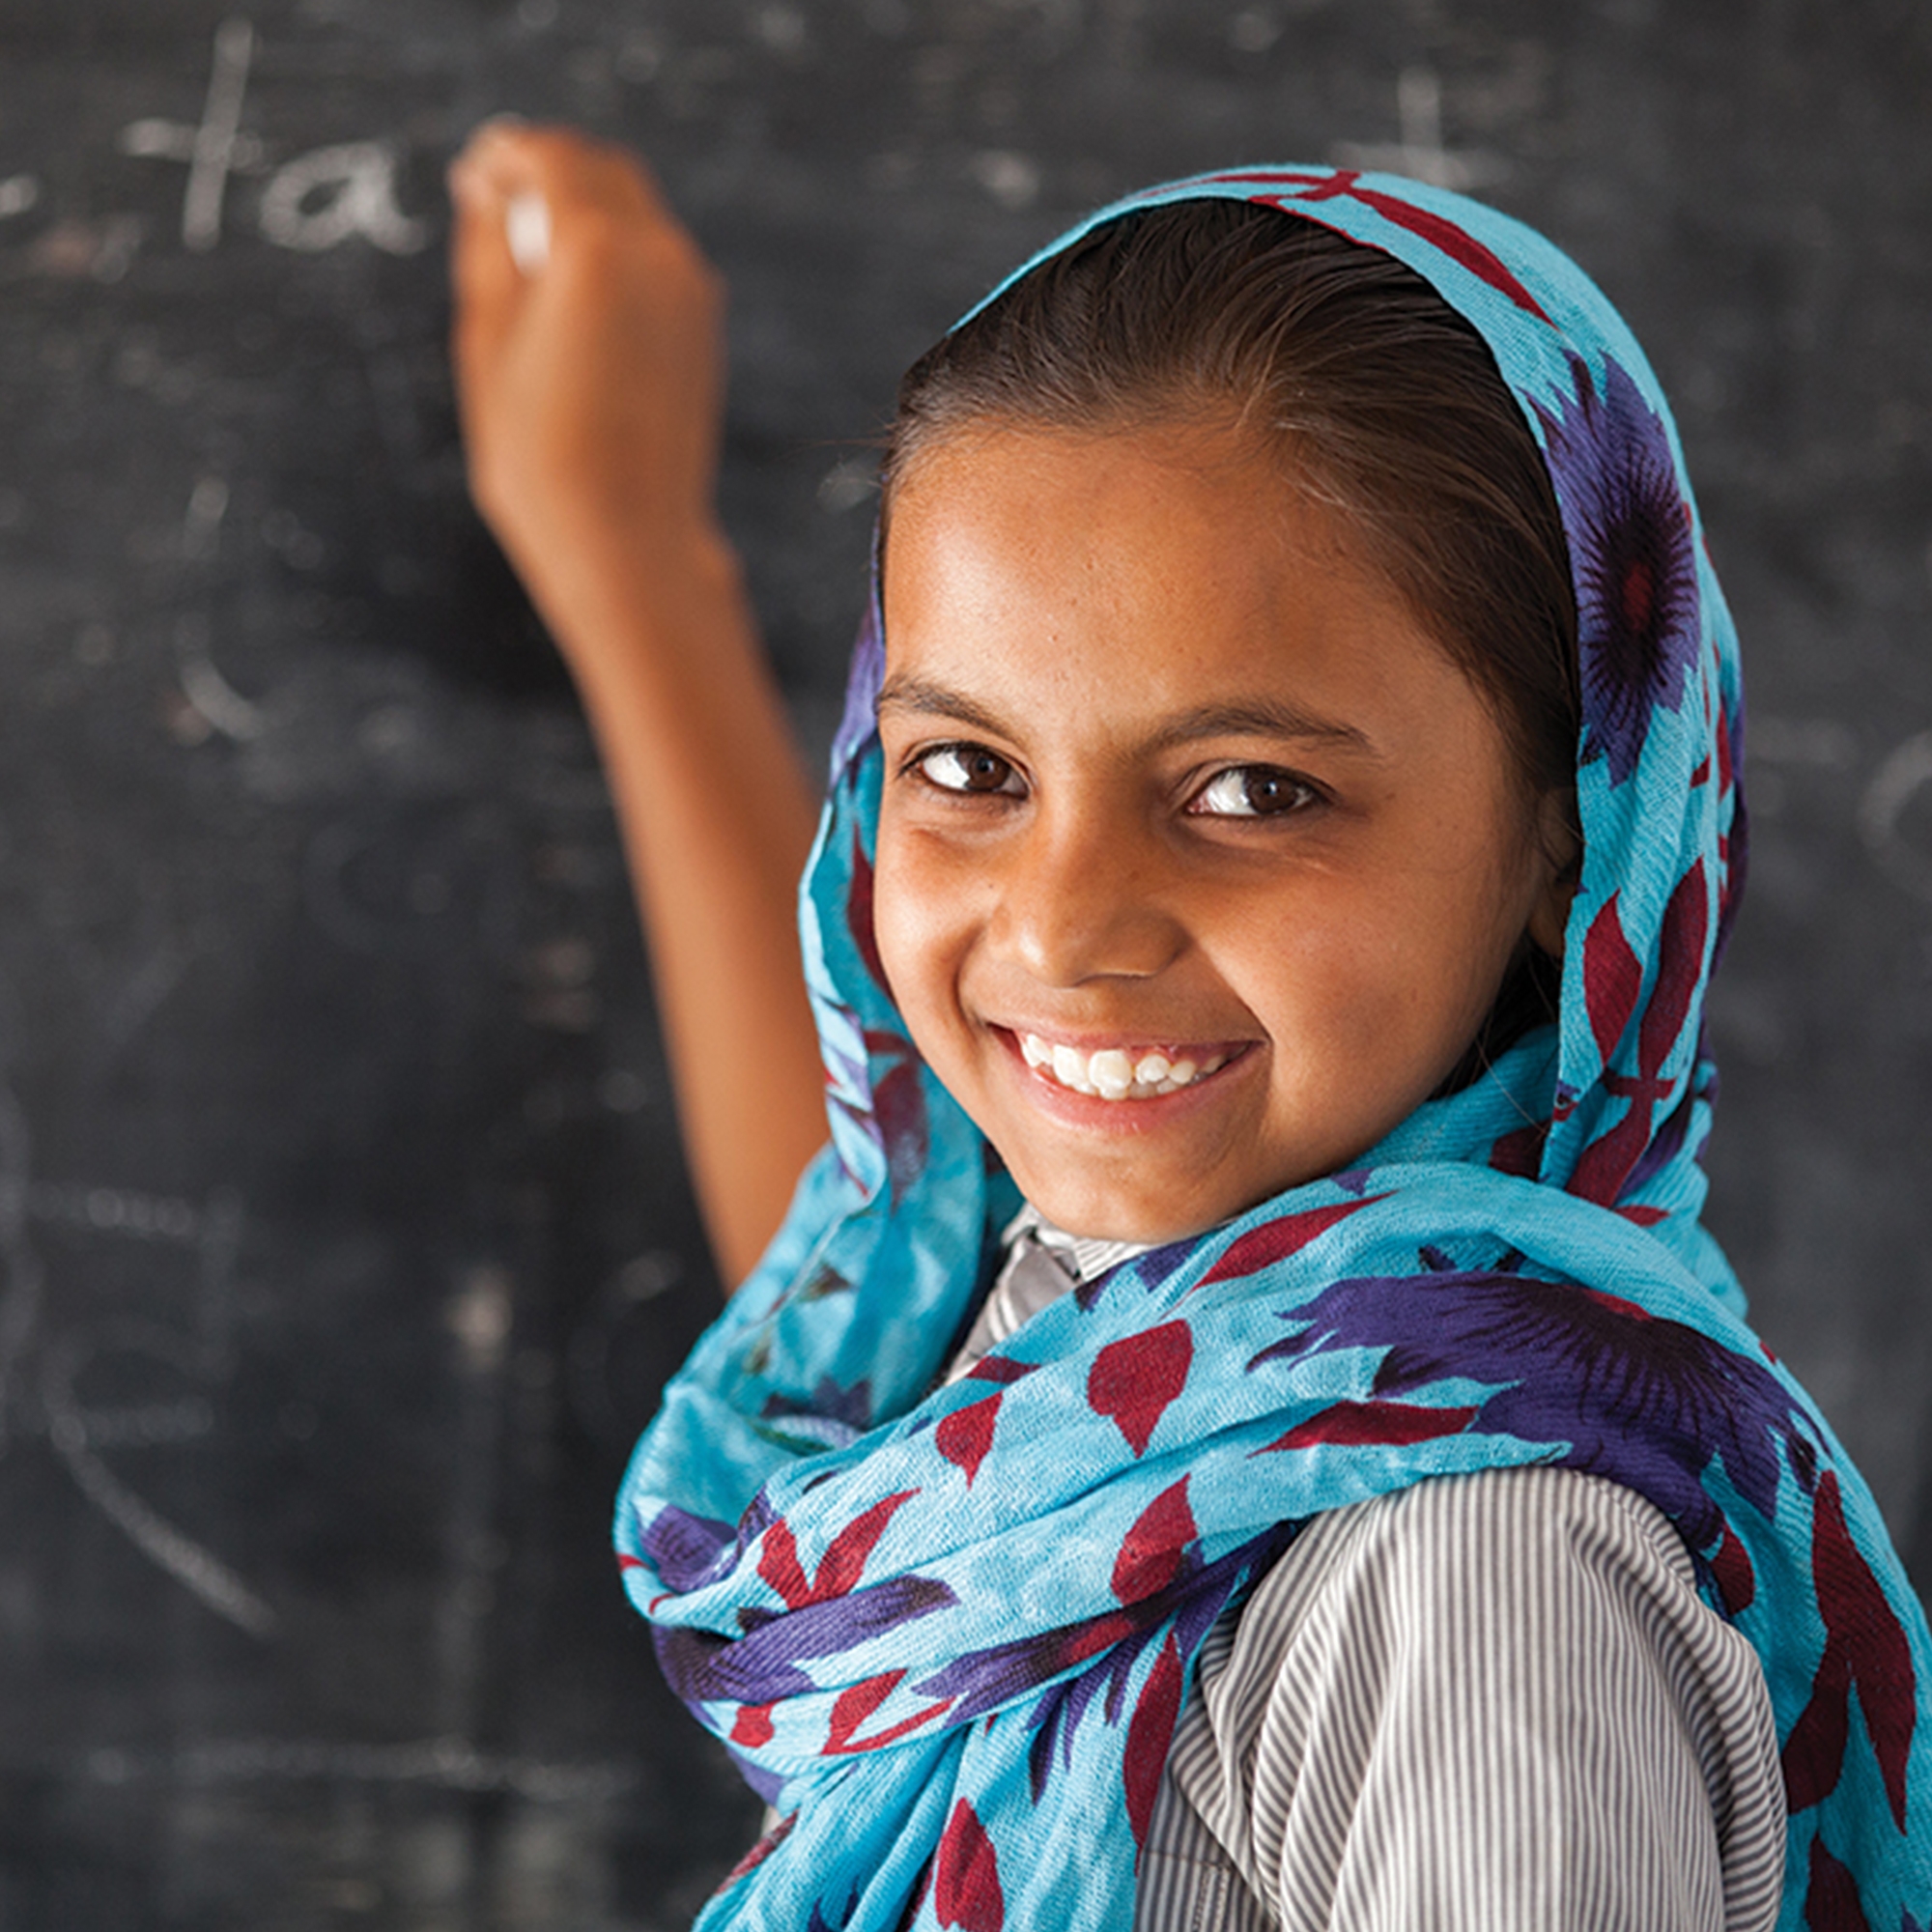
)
(947, 1631)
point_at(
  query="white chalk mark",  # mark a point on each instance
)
(1420, 153)
(71, 1431)
(150, 1425)
(198, 1570)
(119, 236)
(139, 997)
(479, 1316)
(215, 139)
(102, 1211)
(155, 140)
(1253, 31)
(1012, 178)
(201, 524)
(638, 59)
(1418, 104)
(847, 484)
(17, 194)
(320, 199)
(213, 699)
(527, 228)
(1897, 782)
(207, 691)
(159, 140)
(783, 28)
(218, 701)
(448, 1764)
(69, 1428)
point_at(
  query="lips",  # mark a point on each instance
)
(1123, 1073)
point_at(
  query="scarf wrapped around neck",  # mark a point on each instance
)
(948, 1632)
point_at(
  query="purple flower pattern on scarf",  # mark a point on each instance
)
(1630, 558)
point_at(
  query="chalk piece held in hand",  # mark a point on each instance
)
(526, 226)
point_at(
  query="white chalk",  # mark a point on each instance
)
(527, 228)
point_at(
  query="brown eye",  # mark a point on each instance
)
(1252, 791)
(969, 768)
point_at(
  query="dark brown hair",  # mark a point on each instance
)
(1376, 395)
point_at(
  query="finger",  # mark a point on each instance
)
(501, 155)
(486, 281)
(559, 162)
(588, 189)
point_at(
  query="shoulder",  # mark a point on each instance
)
(1514, 1580)
(1440, 1669)
(1469, 1524)
(1503, 1533)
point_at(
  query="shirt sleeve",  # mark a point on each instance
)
(1489, 1701)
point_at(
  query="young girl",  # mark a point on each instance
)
(1242, 1426)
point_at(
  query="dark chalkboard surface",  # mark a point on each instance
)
(342, 1240)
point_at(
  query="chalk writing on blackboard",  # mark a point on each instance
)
(213, 697)
(1419, 151)
(200, 1353)
(315, 201)
(327, 197)
(1897, 784)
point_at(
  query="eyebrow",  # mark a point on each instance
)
(1260, 718)
(1248, 717)
(901, 693)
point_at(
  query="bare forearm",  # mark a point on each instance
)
(717, 817)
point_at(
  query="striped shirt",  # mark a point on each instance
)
(1488, 1701)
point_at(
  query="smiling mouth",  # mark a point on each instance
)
(1119, 1073)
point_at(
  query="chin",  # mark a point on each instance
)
(1102, 1215)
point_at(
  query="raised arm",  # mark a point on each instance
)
(589, 380)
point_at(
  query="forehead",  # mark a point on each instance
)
(1210, 489)
(1137, 571)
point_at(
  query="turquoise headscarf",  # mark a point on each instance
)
(948, 1632)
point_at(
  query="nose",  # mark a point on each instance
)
(1082, 897)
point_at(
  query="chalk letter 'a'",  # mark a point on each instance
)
(322, 198)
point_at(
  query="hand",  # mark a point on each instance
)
(589, 384)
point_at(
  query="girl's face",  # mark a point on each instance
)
(1198, 862)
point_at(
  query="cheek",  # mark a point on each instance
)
(1366, 986)
(909, 926)
(887, 896)
(1391, 973)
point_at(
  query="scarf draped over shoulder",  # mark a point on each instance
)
(947, 1631)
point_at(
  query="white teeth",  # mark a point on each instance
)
(1113, 1073)
(1069, 1068)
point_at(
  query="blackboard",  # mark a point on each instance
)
(343, 1237)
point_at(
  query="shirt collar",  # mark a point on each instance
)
(1083, 1258)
